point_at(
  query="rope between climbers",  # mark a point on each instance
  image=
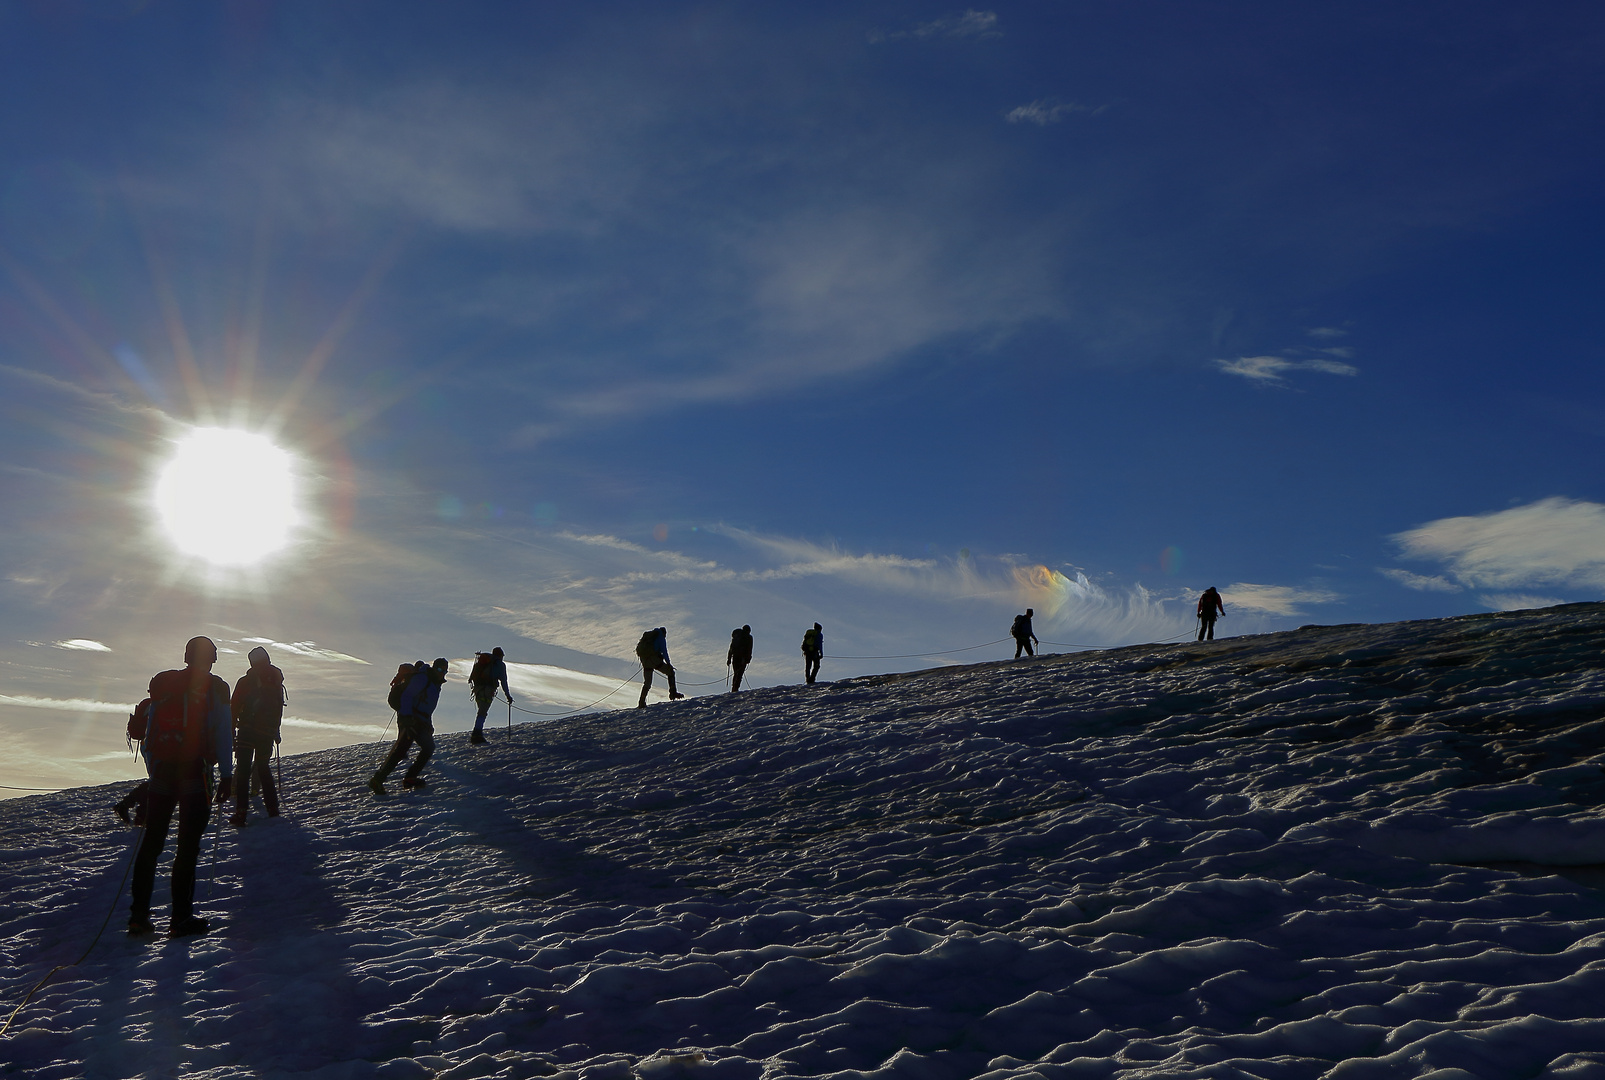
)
(916, 655)
(580, 708)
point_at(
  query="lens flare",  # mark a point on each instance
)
(228, 497)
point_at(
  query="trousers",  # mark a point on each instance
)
(180, 786)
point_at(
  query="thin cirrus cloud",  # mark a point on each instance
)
(768, 284)
(308, 649)
(1272, 370)
(1555, 543)
(977, 25)
(1420, 582)
(1045, 111)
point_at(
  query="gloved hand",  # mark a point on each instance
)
(225, 789)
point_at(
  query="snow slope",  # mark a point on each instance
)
(1227, 860)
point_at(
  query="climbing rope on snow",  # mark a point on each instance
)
(917, 655)
(8, 787)
(139, 834)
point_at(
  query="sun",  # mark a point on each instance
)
(228, 496)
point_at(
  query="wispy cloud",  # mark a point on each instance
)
(83, 645)
(1272, 369)
(1517, 601)
(1274, 599)
(77, 705)
(308, 649)
(371, 731)
(970, 24)
(1419, 582)
(1552, 542)
(1327, 332)
(1045, 111)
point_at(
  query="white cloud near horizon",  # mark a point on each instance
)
(371, 730)
(594, 594)
(1554, 542)
(1274, 599)
(1272, 369)
(1517, 601)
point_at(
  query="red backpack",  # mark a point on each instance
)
(172, 721)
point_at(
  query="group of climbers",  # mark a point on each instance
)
(189, 723)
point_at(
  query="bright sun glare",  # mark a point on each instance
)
(228, 496)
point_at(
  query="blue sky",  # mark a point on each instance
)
(901, 317)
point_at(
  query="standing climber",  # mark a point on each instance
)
(739, 655)
(489, 671)
(1209, 608)
(186, 729)
(1023, 634)
(415, 710)
(653, 652)
(813, 650)
(258, 708)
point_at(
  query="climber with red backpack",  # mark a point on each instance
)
(489, 672)
(184, 727)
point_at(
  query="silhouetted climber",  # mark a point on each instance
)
(415, 710)
(813, 649)
(1209, 607)
(739, 656)
(258, 707)
(186, 729)
(489, 671)
(1023, 634)
(653, 652)
(135, 801)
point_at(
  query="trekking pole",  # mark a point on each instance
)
(509, 715)
(217, 830)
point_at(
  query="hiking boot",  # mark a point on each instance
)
(413, 782)
(122, 812)
(377, 786)
(676, 696)
(140, 925)
(238, 820)
(189, 926)
(273, 811)
(477, 737)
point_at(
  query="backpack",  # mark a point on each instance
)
(1017, 627)
(811, 640)
(261, 708)
(172, 721)
(483, 672)
(398, 686)
(138, 721)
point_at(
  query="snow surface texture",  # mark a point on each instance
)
(1226, 860)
